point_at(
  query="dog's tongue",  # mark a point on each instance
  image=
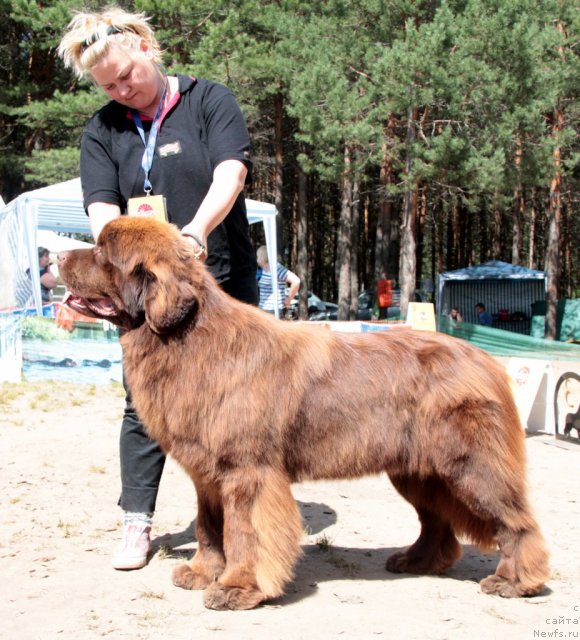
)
(99, 307)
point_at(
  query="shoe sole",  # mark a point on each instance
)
(128, 566)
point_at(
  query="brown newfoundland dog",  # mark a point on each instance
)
(248, 404)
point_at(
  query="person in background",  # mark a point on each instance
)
(174, 145)
(483, 316)
(455, 315)
(384, 295)
(48, 280)
(287, 282)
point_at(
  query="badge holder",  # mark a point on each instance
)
(148, 206)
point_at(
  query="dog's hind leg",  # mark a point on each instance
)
(491, 507)
(262, 531)
(208, 562)
(436, 548)
(503, 509)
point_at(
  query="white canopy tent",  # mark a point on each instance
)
(56, 242)
(59, 207)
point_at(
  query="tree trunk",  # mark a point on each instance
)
(532, 233)
(467, 240)
(421, 234)
(454, 260)
(344, 238)
(279, 164)
(302, 239)
(483, 232)
(519, 204)
(367, 243)
(354, 244)
(387, 236)
(567, 268)
(440, 229)
(434, 244)
(496, 246)
(408, 260)
(554, 221)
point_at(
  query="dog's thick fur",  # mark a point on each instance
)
(248, 404)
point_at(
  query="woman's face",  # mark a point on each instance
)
(131, 78)
(44, 260)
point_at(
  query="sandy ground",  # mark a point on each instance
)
(59, 523)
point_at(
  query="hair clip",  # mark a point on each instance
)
(111, 29)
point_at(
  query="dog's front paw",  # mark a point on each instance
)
(217, 596)
(183, 576)
(397, 563)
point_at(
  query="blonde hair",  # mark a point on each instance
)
(262, 255)
(89, 36)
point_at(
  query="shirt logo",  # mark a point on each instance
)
(170, 149)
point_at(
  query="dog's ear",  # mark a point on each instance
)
(171, 293)
(160, 276)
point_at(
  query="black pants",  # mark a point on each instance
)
(142, 460)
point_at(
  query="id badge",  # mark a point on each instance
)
(148, 207)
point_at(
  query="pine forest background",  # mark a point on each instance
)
(392, 135)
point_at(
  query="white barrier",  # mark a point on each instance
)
(533, 387)
(10, 347)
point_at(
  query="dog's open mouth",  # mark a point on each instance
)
(97, 307)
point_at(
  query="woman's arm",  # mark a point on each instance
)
(293, 281)
(228, 182)
(48, 279)
(99, 214)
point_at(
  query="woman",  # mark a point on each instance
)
(174, 146)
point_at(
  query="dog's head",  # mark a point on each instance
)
(141, 270)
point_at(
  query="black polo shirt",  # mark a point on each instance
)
(203, 128)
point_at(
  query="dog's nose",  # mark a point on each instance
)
(62, 256)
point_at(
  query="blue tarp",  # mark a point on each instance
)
(494, 270)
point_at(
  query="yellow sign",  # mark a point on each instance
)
(421, 315)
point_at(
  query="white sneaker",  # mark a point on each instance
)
(133, 550)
